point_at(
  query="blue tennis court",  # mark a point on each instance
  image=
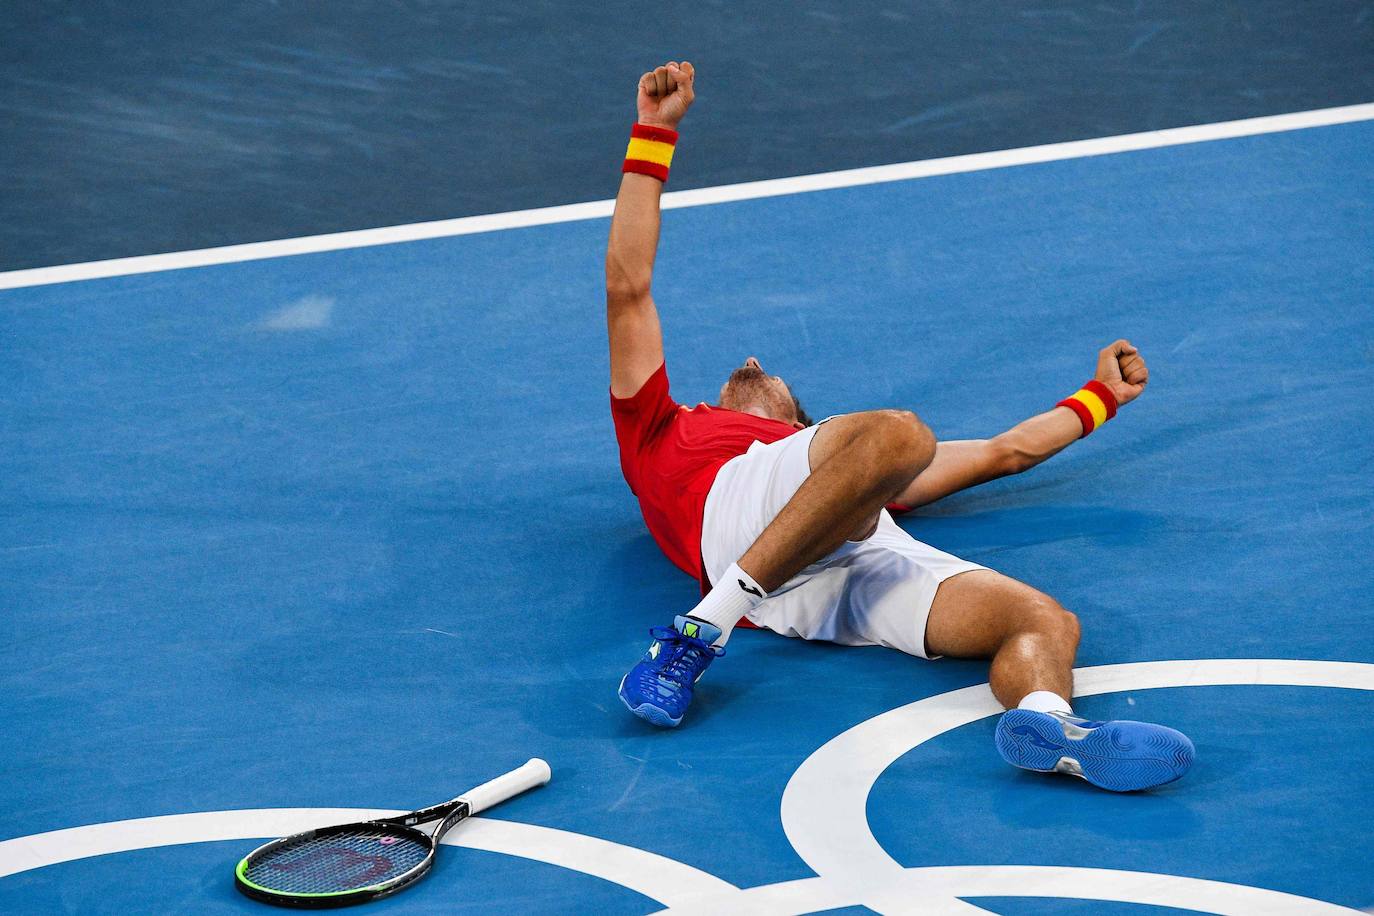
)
(307, 538)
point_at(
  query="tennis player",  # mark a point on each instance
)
(788, 524)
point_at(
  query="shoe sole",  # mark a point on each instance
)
(647, 712)
(1120, 756)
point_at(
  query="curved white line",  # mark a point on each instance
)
(824, 807)
(657, 877)
(935, 890)
(855, 759)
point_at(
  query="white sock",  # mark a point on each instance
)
(735, 595)
(1045, 701)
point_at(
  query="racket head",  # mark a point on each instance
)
(336, 866)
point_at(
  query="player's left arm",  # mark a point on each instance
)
(963, 463)
(636, 335)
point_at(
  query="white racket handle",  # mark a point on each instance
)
(534, 772)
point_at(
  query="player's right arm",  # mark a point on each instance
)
(631, 318)
(964, 463)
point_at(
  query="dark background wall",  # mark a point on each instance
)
(140, 128)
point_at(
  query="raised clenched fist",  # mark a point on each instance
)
(665, 93)
(1122, 369)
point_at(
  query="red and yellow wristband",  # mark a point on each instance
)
(1094, 403)
(650, 151)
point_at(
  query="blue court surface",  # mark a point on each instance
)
(347, 531)
(175, 126)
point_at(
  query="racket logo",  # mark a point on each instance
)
(342, 858)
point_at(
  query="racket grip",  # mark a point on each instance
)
(534, 772)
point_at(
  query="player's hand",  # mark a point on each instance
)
(665, 94)
(1122, 369)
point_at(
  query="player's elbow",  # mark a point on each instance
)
(623, 290)
(1004, 458)
(624, 284)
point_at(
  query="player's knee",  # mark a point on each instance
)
(1072, 631)
(908, 444)
(1045, 615)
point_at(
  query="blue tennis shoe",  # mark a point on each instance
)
(1121, 755)
(659, 688)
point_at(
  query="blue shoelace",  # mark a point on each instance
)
(680, 654)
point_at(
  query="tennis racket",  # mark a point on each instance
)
(354, 863)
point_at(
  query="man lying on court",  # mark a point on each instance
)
(788, 521)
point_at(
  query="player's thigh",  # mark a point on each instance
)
(975, 612)
(890, 585)
(747, 494)
(831, 437)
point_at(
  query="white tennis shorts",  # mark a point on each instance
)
(875, 592)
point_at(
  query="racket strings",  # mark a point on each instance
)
(336, 862)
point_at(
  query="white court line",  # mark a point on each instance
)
(824, 815)
(659, 878)
(936, 891)
(825, 804)
(544, 216)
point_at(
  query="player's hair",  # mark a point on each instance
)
(802, 415)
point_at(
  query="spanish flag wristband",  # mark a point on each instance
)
(1094, 403)
(651, 151)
